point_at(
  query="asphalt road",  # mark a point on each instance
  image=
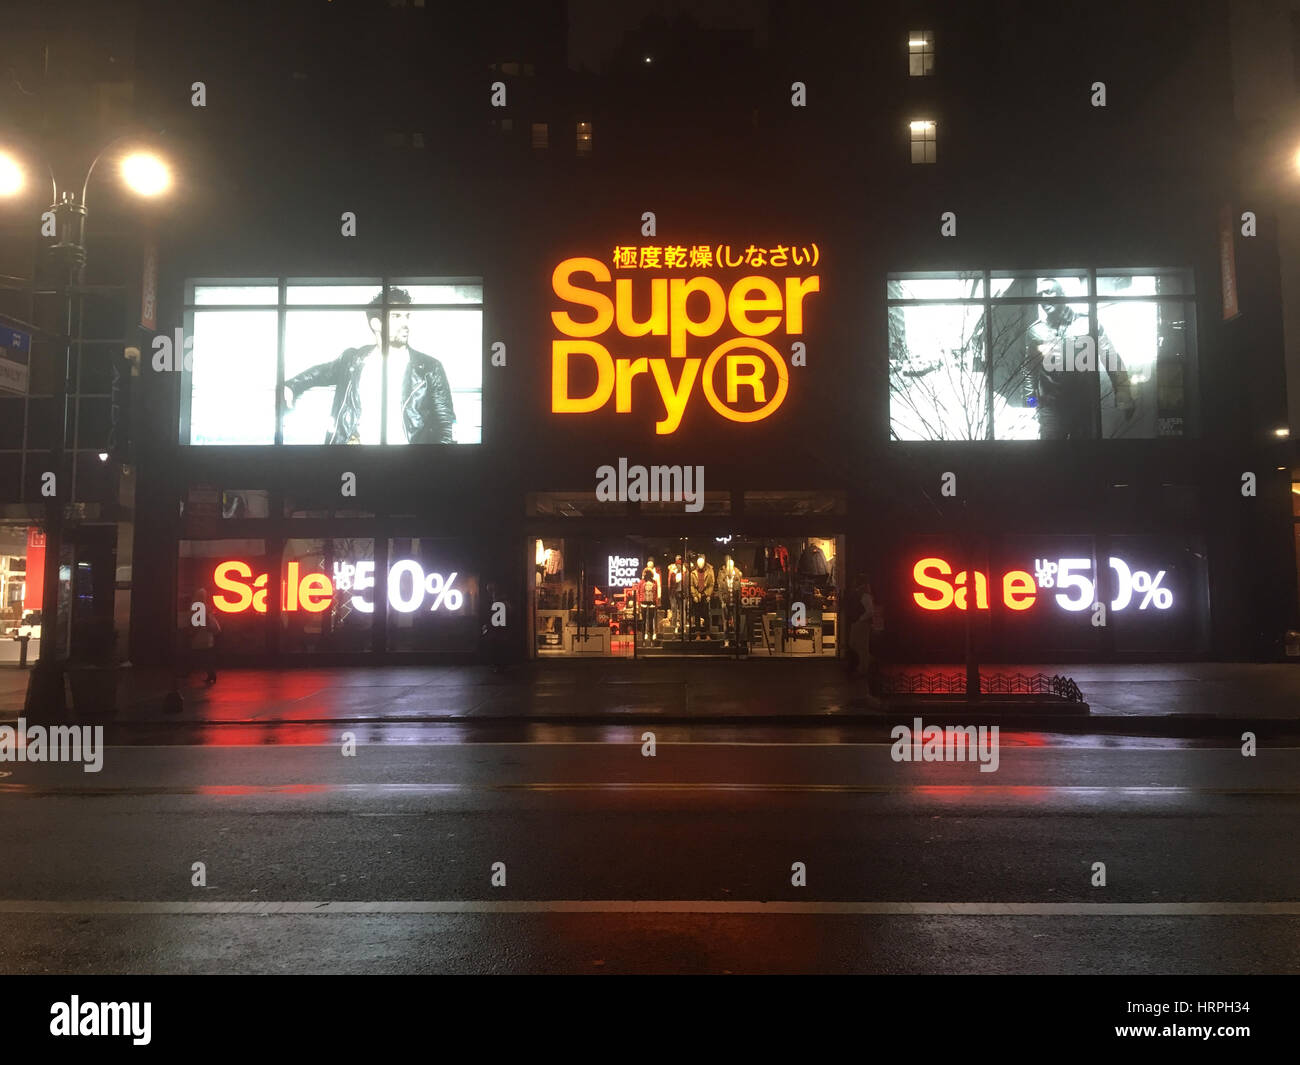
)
(616, 862)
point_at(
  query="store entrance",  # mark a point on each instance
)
(656, 596)
(93, 579)
(22, 556)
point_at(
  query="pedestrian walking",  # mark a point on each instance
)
(497, 613)
(863, 606)
(203, 640)
(850, 613)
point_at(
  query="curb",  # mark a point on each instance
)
(1171, 726)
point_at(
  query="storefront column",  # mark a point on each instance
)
(274, 593)
(379, 594)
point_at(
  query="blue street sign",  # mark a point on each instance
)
(15, 358)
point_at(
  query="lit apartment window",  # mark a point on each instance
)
(924, 146)
(584, 138)
(920, 53)
(541, 135)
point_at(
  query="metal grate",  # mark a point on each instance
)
(990, 684)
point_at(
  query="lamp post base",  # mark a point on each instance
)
(46, 698)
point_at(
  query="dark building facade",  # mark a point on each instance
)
(69, 94)
(810, 296)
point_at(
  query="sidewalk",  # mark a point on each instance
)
(1173, 699)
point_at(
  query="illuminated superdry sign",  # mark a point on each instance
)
(1066, 583)
(410, 588)
(679, 321)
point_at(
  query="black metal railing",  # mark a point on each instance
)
(990, 684)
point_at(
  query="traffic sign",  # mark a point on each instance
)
(15, 359)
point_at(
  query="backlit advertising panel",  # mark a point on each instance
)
(337, 362)
(433, 595)
(1135, 593)
(1046, 355)
(328, 594)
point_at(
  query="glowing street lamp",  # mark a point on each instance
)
(145, 174)
(12, 178)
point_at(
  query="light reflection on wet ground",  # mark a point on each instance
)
(405, 732)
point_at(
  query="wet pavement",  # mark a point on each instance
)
(386, 860)
(678, 692)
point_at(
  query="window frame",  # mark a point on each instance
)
(928, 141)
(923, 56)
(282, 306)
(1185, 296)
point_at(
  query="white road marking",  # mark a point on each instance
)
(965, 790)
(910, 909)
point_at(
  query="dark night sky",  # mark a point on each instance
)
(597, 26)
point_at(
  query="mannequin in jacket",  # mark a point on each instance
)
(651, 595)
(703, 582)
(812, 563)
(655, 576)
(677, 594)
(729, 592)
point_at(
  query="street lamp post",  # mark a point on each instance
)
(145, 175)
(45, 691)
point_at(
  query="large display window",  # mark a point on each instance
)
(662, 595)
(340, 616)
(1041, 355)
(330, 591)
(333, 362)
(1295, 512)
(204, 576)
(1038, 595)
(433, 595)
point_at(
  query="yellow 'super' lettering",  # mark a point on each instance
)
(682, 310)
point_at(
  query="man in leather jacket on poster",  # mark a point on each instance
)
(1065, 397)
(417, 386)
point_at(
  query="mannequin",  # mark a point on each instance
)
(649, 594)
(729, 591)
(677, 594)
(812, 562)
(703, 582)
(656, 577)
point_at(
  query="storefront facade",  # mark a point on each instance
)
(1008, 450)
